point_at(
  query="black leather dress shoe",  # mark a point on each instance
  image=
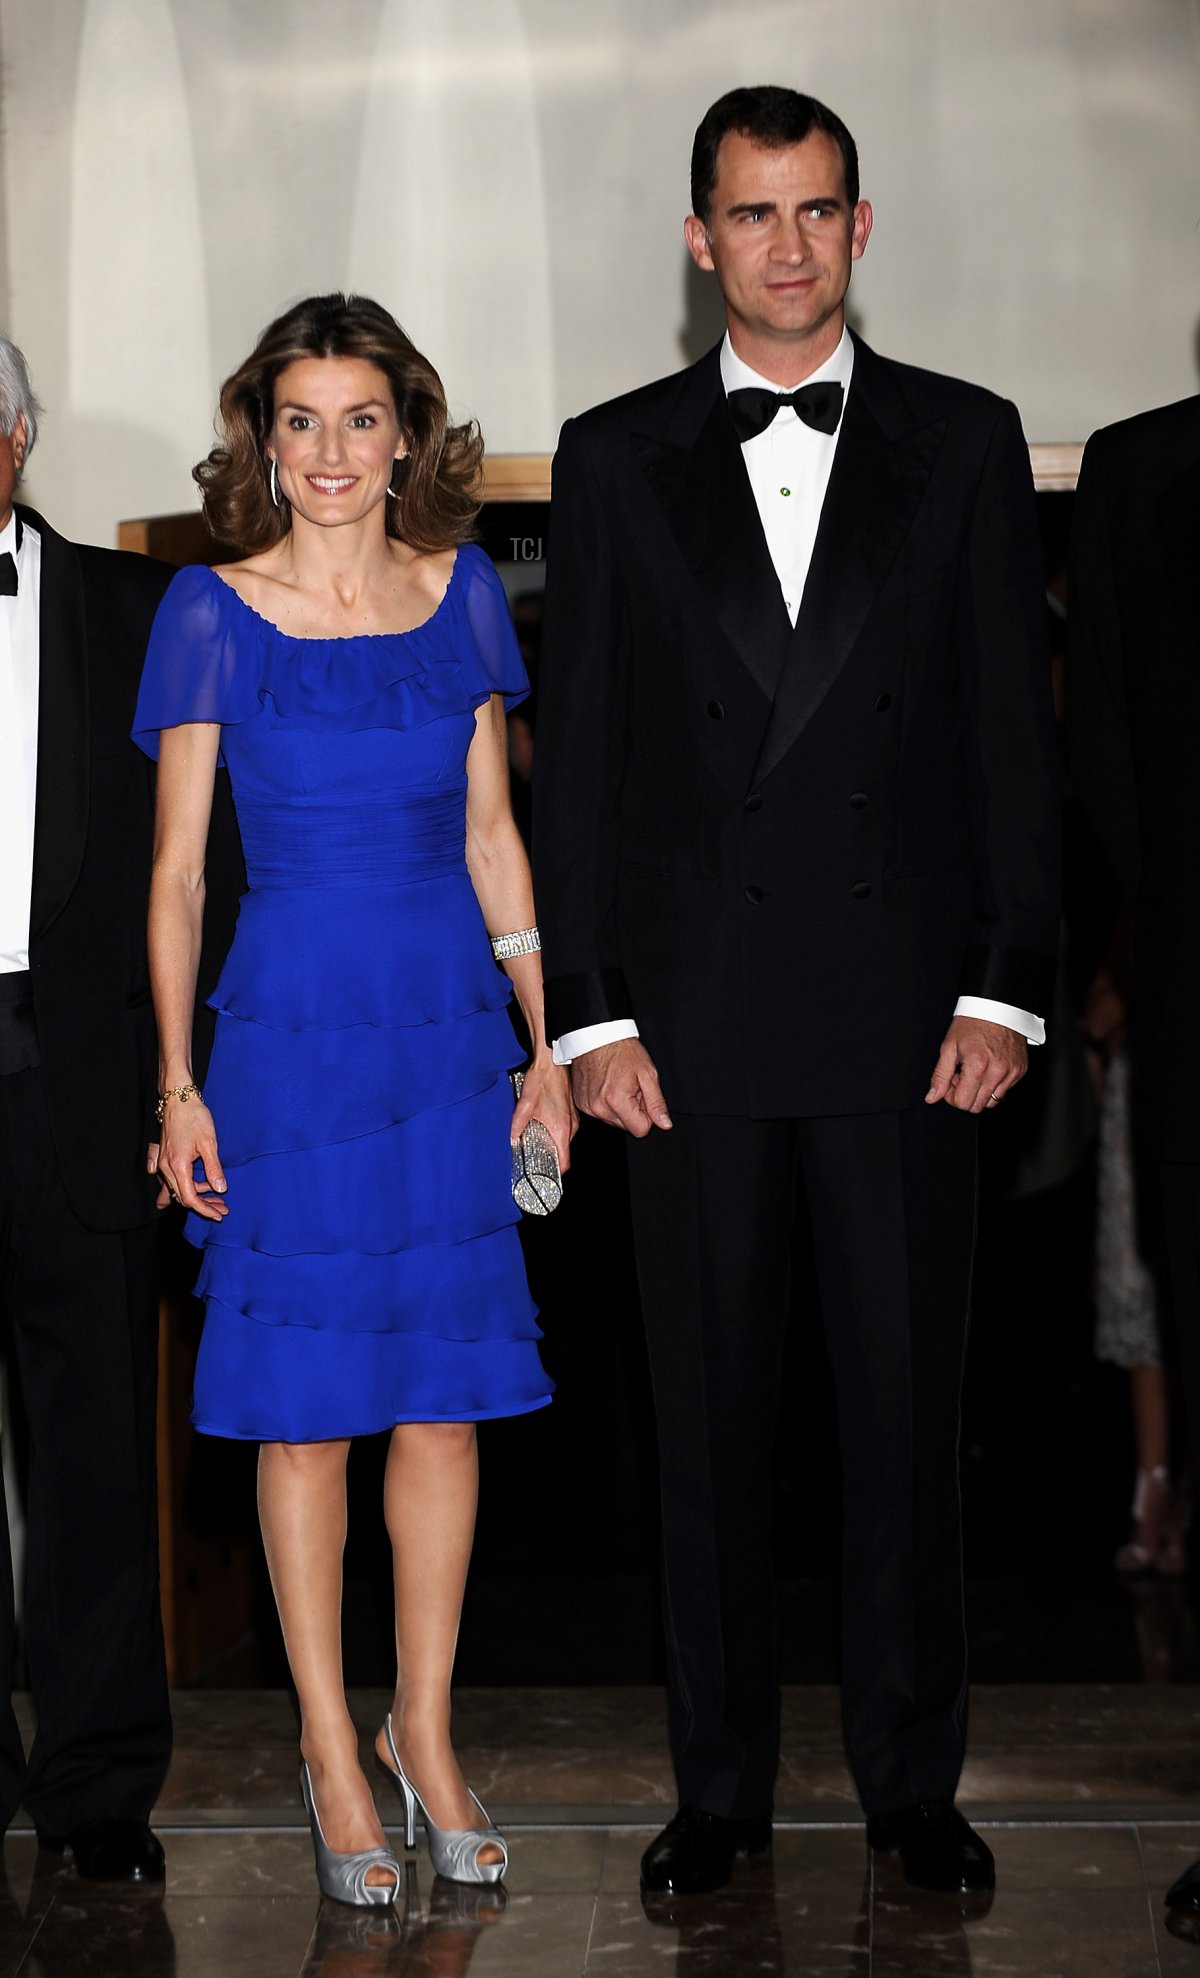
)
(695, 1851)
(937, 1849)
(112, 1851)
(1183, 1896)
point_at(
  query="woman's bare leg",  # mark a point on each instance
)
(302, 1510)
(431, 1490)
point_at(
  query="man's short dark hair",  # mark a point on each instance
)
(771, 117)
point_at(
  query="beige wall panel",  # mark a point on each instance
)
(510, 177)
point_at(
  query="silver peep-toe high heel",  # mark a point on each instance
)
(343, 1877)
(454, 1851)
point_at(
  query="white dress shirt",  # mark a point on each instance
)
(18, 743)
(789, 465)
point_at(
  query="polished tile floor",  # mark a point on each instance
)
(1089, 1795)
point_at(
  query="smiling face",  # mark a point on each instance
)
(335, 438)
(782, 238)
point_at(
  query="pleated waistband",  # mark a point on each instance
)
(411, 835)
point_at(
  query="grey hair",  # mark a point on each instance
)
(16, 394)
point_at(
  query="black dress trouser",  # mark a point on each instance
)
(1179, 1197)
(82, 1322)
(891, 1198)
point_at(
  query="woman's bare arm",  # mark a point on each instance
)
(499, 870)
(186, 769)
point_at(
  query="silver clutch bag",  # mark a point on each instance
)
(536, 1175)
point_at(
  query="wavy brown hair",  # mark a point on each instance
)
(438, 485)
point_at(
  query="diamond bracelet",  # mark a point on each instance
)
(526, 941)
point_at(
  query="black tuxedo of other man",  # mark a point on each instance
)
(1133, 728)
(77, 1220)
(786, 853)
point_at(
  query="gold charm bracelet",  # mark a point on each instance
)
(184, 1092)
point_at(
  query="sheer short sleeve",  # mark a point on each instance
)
(201, 663)
(498, 667)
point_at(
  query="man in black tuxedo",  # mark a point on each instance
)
(77, 1203)
(796, 858)
(1133, 728)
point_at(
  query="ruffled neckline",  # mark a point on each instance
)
(345, 638)
(213, 657)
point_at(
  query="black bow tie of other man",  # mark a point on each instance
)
(8, 575)
(753, 407)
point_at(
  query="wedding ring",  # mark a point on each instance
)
(993, 1101)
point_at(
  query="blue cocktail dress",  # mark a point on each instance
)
(369, 1270)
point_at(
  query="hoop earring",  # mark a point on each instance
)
(396, 493)
(273, 484)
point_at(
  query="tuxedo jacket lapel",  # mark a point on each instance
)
(699, 479)
(879, 474)
(1179, 523)
(61, 802)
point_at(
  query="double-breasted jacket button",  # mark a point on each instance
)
(858, 800)
(755, 895)
(862, 891)
(716, 710)
(883, 703)
(753, 802)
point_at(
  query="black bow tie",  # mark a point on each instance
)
(753, 408)
(8, 568)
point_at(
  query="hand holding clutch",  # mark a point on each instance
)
(536, 1175)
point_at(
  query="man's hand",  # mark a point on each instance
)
(618, 1084)
(978, 1063)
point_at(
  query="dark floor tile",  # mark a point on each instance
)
(361, 1943)
(1167, 1771)
(567, 1862)
(1053, 1933)
(542, 1936)
(816, 1778)
(1066, 1858)
(230, 1782)
(531, 1719)
(223, 1862)
(1167, 1851)
(29, 1883)
(183, 1937)
(431, 1932)
(1082, 1776)
(569, 1776)
(1131, 1714)
(823, 1934)
(232, 1720)
(16, 1938)
(1177, 1941)
(93, 1930)
(29, 1877)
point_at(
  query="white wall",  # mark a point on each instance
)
(509, 177)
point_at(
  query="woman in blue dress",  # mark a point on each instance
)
(347, 1172)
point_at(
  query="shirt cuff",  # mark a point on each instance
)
(576, 1043)
(1023, 1022)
